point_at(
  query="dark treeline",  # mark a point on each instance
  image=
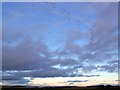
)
(99, 87)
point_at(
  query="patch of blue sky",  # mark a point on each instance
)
(70, 56)
(54, 57)
(24, 15)
(54, 38)
(57, 66)
(82, 42)
(53, 46)
(61, 67)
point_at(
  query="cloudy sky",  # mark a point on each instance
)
(57, 44)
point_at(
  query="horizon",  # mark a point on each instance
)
(59, 44)
(66, 86)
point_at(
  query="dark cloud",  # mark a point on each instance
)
(23, 75)
(109, 68)
(77, 81)
(117, 80)
(72, 82)
(11, 77)
(15, 82)
(23, 56)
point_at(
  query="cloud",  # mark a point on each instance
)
(77, 81)
(24, 55)
(27, 45)
(73, 82)
(15, 82)
(32, 43)
(11, 77)
(109, 68)
(27, 75)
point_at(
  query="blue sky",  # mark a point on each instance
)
(53, 40)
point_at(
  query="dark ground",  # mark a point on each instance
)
(62, 88)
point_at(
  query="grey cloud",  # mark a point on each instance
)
(19, 75)
(65, 62)
(109, 68)
(77, 81)
(24, 56)
(72, 82)
(15, 82)
(11, 77)
(113, 62)
(105, 30)
(104, 42)
(50, 72)
(92, 75)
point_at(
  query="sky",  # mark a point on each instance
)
(60, 0)
(59, 44)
